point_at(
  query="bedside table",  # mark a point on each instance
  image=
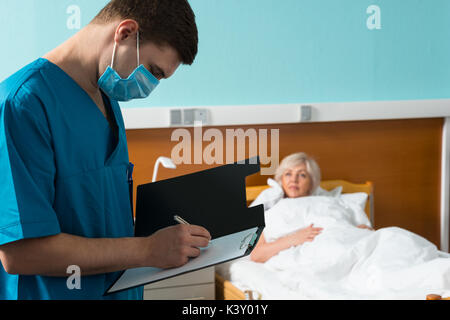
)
(197, 285)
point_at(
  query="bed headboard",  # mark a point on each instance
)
(347, 187)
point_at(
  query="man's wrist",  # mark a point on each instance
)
(137, 252)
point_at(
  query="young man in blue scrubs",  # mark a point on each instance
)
(64, 199)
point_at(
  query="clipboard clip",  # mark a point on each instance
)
(248, 243)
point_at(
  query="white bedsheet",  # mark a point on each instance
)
(245, 274)
(343, 262)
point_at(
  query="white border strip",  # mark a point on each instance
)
(445, 186)
(147, 118)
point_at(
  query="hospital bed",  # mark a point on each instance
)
(259, 281)
(226, 290)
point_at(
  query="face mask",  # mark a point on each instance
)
(138, 85)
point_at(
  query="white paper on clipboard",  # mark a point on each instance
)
(220, 250)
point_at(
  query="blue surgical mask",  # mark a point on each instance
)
(138, 85)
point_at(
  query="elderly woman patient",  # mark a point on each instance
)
(299, 176)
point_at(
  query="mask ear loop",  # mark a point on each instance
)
(138, 56)
(114, 55)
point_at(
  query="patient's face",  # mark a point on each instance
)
(296, 182)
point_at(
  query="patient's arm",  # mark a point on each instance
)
(265, 250)
(363, 226)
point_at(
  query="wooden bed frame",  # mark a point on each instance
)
(225, 290)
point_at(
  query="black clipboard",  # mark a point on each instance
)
(214, 198)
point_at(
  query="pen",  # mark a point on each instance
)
(180, 220)
(130, 172)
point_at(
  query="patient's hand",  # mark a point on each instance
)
(363, 226)
(305, 235)
(265, 250)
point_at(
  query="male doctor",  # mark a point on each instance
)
(64, 198)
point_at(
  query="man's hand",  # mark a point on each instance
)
(173, 246)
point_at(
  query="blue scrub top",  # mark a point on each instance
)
(62, 171)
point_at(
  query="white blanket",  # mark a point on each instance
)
(345, 262)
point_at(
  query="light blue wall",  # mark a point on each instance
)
(273, 51)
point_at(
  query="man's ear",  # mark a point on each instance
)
(127, 29)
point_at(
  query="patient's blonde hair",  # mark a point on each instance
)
(297, 159)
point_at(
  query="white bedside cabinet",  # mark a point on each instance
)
(197, 285)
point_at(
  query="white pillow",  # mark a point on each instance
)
(336, 192)
(357, 203)
(357, 198)
(270, 196)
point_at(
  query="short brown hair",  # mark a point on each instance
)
(165, 22)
